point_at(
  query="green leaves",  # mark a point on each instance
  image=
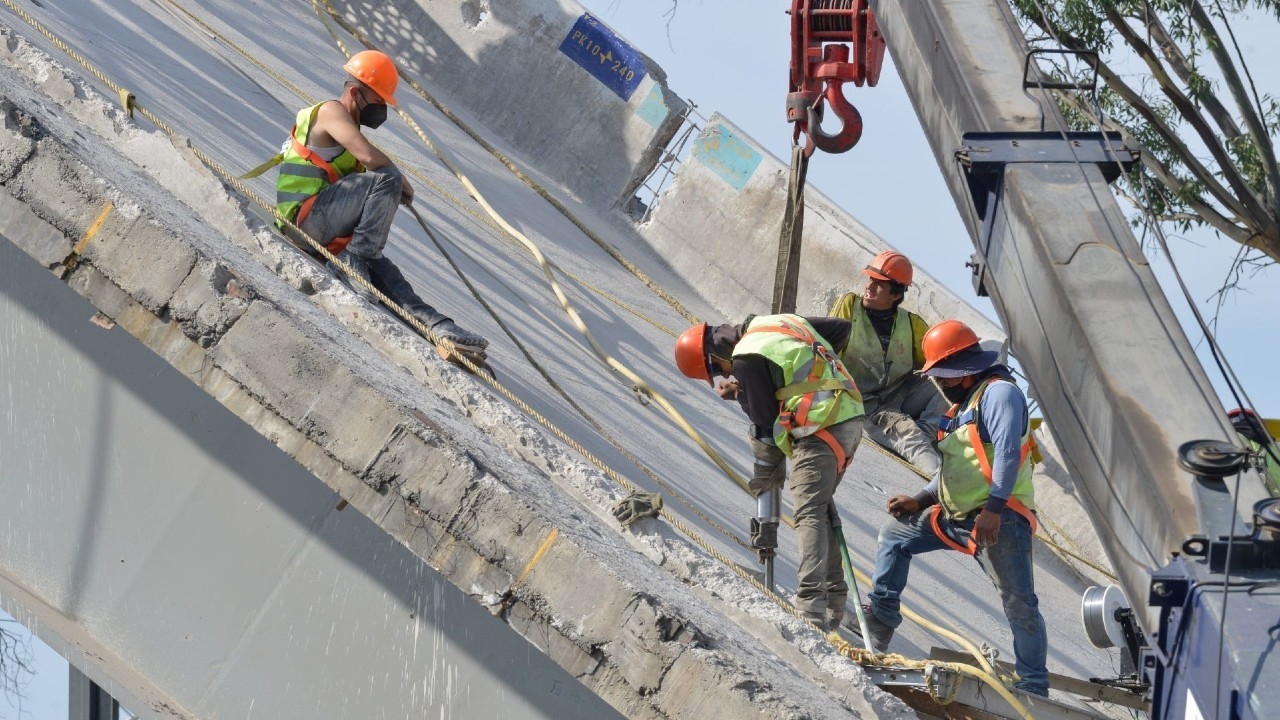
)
(1172, 80)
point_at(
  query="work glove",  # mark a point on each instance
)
(770, 466)
(638, 504)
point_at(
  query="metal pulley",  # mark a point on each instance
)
(832, 42)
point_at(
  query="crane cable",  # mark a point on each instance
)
(452, 165)
(638, 385)
(666, 487)
(130, 104)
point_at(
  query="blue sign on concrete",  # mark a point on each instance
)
(727, 155)
(605, 55)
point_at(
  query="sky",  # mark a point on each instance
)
(733, 57)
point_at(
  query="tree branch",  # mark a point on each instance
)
(1233, 229)
(1182, 67)
(1143, 109)
(1252, 121)
(1252, 208)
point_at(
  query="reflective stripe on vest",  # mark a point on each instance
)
(818, 392)
(303, 173)
(874, 367)
(965, 481)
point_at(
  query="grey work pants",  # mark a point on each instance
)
(814, 477)
(361, 205)
(905, 420)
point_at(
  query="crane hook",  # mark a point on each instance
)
(850, 120)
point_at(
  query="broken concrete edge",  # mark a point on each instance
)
(205, 310)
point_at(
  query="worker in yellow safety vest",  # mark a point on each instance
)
(883, 355)
(1253, 433)
(802, 404)
(342, 191)
(980, 503)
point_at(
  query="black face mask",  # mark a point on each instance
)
(372, 115)
(955, 394)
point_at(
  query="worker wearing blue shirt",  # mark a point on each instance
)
(980, 502)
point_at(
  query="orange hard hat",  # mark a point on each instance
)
(376, 70)
(892, 266)
(691, 357)
(945, 340)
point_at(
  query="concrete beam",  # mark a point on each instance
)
(1116, 378)
(476, 494)
(720, 219)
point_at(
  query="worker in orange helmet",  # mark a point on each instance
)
(802, 404)
(980, 502)
(342, 191)
(884, 352)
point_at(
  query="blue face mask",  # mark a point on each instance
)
(372, 115)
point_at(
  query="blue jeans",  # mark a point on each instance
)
(1008, 564)
(363, 205)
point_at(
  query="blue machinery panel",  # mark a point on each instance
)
(606, 56)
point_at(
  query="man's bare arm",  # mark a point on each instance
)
(334, 122)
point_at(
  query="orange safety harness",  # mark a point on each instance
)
(336, 245)
(814, 383)
(984, 462)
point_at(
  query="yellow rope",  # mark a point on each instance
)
(636, 382)
(857, 654)
(515, 170)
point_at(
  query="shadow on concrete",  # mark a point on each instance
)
(127, 364)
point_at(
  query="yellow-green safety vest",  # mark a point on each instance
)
(303, 173)
(965, 481)
(1272, 475)
(873, 366)
(817, 391)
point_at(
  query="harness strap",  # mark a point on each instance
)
(808, 386)
(335, 245)
(968, 549)
(310, 156)
(842, 461)
(263, 167)
(984, 462)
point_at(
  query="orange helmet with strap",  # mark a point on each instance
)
(946, 339)
(691, 356)
(892, 266)
(377, 71)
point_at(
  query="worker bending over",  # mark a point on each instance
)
(883, 354)
(980, 503)
(342, 191)
(802, 404)
(1253, 433)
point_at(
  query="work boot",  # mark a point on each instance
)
(448, 330)
(881, 633)
(834, 618)
(360, 268)
(819, 618)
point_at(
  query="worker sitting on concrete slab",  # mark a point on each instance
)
(884, 352)
(802, 404)
(342, 191)
(980, 503)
